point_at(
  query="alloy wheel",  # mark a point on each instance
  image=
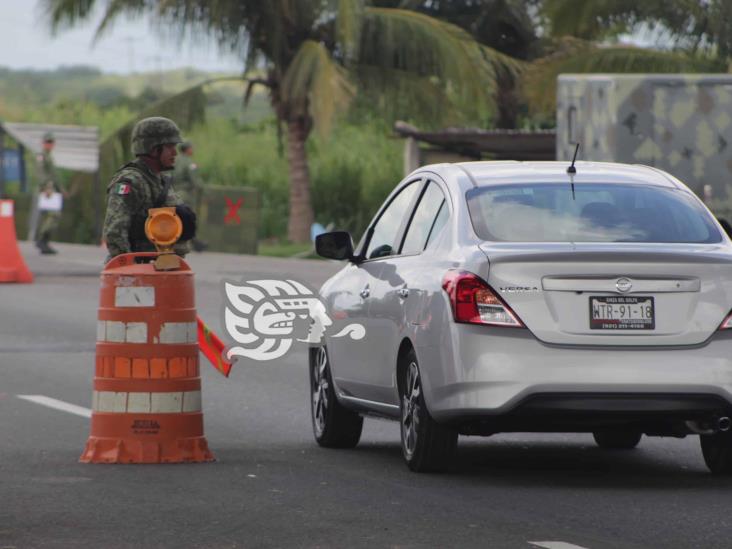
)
(411, 409)
(320, 390)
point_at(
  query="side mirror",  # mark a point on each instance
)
(334, 245)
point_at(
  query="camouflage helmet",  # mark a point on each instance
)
(48, 137)
(151, 132)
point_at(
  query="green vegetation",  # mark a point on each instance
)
(317, 55)
(353, 168)
(354, 66)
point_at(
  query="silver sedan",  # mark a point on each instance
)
(529, 297)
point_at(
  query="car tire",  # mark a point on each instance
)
(717, 452)
(334, 426)
(427, 446)
(617, 440)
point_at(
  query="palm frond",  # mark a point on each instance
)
(539, 82)
(114, 9)
(349, 14)
(592, 20)
(315, 84)
(424, 46)
(66, 13)
(393, 94)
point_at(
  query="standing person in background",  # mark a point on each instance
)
(50, 193)
(188, 184)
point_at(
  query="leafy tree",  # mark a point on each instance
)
(695, 26)
(316, 54)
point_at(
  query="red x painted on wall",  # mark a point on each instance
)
(232, 216)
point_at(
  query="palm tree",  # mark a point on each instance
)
(694, 26)
(316, 54)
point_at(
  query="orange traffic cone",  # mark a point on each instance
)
(12, 266)
(146, 405)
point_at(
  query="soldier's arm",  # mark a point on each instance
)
(117, 222)
(172, 199)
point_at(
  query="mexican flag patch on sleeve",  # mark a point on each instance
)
(122, 188)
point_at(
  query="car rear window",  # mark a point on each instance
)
(594, 212)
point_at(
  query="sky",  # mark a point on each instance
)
(130, 46)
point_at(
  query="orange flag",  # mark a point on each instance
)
(212, 348)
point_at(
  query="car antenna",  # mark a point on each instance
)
(572, 170)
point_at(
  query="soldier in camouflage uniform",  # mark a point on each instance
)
(139, 186)
(188, 184)
(48, 182)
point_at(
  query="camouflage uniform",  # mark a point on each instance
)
(132, 192)
(189, 186)
(48, 181)
(135, 188)
(188, 183)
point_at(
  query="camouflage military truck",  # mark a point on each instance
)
(680, 123)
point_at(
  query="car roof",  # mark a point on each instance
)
(509, 171)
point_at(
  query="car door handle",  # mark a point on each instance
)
(365, 292)
(404, 293)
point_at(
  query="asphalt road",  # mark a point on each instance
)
(272, 486)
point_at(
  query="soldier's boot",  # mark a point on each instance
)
(199, 245)
(44, 246)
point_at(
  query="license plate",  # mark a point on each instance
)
(622, 313)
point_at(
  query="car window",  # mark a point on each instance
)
(440, 221)
(596, 212)
(386, 228)
(423, 219)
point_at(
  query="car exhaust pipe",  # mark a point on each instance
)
(717, 424)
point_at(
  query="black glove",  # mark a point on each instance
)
(188, 218)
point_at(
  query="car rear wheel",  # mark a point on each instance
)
(617, 440)
(427, 446)
(717, 452)
(334, 426)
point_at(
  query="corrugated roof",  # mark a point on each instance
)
(77, 147)
(505, 144)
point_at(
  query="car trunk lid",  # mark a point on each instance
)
(614, 294)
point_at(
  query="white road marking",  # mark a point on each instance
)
(58, 405)
(556, 545)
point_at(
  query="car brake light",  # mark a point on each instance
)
(726, 323)
(474, 302)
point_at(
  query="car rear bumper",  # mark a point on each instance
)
(484, 371)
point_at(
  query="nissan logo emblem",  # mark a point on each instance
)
(623, 285)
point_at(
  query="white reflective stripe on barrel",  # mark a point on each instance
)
(147, 403)
(134, 296)
(179, 332)
(6, 208)
(112, 331)
(171, 333)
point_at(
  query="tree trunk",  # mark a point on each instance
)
(301, 209)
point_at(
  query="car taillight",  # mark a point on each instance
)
(474, 302)
(726, 323)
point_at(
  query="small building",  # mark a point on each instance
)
(466, 144)
(76, 149)
(680, 123)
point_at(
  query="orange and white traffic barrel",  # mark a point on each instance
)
(146, 405)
